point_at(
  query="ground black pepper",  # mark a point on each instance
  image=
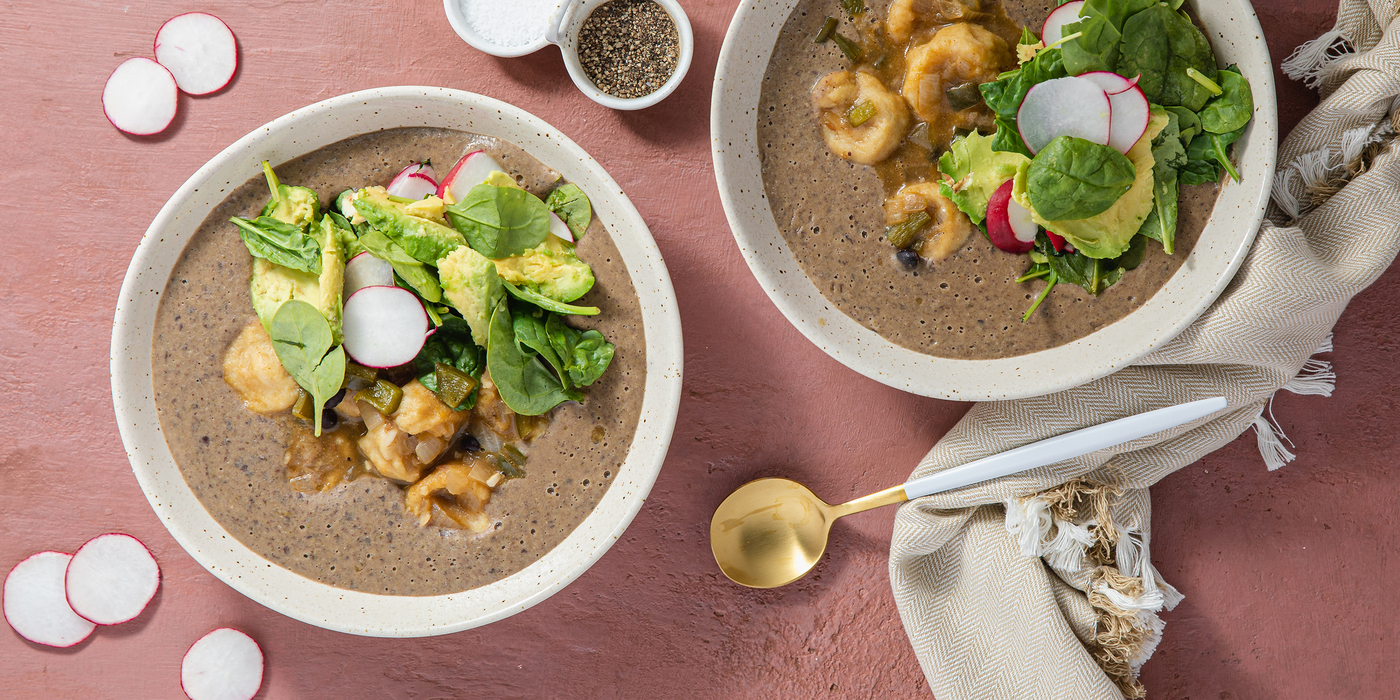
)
(629, 48)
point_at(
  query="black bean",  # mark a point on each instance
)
(329, 419)
(335, 400)
(469, 443)
(909, 258)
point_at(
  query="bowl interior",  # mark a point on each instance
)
(354, 612)
(1234, 32)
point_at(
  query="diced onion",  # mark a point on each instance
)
(428, 449)
(373, 418)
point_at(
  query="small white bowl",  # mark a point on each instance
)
(469, 34)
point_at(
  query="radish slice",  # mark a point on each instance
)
(35, 605)
(1009, 224)
(140, 97)
(1053, 30)
(1112, 83)
(384, 326)
(559, 228)
(1064, 107)
(414, 182)
(1060, 244)
(1131, 114)
(223, 665)
(365, 270)
(111, 578)
(200, 51)
(469, 172)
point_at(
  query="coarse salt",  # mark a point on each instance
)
(509, 24)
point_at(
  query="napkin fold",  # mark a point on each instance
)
(1041, 585)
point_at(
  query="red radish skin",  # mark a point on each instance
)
(35, 605)
(1060, 244)
(414, 182)
(471, 170)
(1112, 83)
(111, 579)
(384, 326)
(1064, 107)
(999, 227)
(1053, 30)
(140, 97)
(225, 664)
(199, 50)
(1131, 115)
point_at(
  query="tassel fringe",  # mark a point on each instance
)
(1310, 63)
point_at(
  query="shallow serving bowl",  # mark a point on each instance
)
(1234, 32)
(291, 594)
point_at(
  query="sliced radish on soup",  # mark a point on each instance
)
(384, 326)
(1009, 224)
(1064, 107)
(223, 665)
(111, 578)
(1131, 115)
(365, 270)
(1054, 28)
(200, 51)
(469, 172)
(35, 604)
(414, 182)
(140, 97)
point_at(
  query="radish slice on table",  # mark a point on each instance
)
(111, 578)
(1112, 83)
(1131, 114)
(469, 172)
(200, 51)
(365, 270)
(1053, 30)
(1009, 224)
(414, 182)
(1064, 107)
(384, 326)
(140, 97)
(223, 665)
(559, 228)
(35, 605)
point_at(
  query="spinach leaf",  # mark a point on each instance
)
(1008, 139)
(1004, 95)
(1231, 109)
(499, 222)
(1076, 179)
(530, 332)
(1169, 156)
(451, 345)
(1159, 44)
(1207, 155)
(301, 336)
(280, 243)
(1188, 124)
(1116, 12)
(569, 203)
(544, 302)
(1092, 274)
(522, 380)
(414, 273)
(585, 354)
(1096, 49)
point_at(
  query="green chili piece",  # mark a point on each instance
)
(305, 407)
(368, 374)
(853, 7)
(964, 96)
(1210, 85)
(860, 112)
(902, 234)
(879, 61)
(530, 427)
(828, 28)
(453, 385)
(383, 396)
(510, 462)
(851, 49)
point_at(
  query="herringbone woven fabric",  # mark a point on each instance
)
(991, 580)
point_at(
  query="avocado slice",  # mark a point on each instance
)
(426, 240)
(472, 286)
(550, 269)
(273, 285)
(298, 206)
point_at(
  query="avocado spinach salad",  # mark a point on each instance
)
(417, 332)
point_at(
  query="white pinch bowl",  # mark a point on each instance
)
(291, 594)
(1234, 32)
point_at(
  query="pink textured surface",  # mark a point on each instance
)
(1287, 575)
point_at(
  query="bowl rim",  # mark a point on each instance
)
(297, 133)
(1161, 318)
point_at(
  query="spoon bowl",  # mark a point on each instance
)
(770, 532)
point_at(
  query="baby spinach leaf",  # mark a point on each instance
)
(1159, 45)
(522, 380)
(530, 332)
(302, 337)
(572, 205)
(414, 273)
(1008, 139)
(280, 243)
(1233, 108)
(1116, 12)
(1188, 124)
(585, 354)
(451, 345)
(1096, 49)
(1076, 179)
(499, 222)
(544, 302)
(1169, 156)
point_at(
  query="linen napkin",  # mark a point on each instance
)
(1041, 585)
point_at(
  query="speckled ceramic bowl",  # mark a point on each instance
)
(1234, 31)
(294, 135)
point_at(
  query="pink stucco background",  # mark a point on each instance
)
(1289, 576)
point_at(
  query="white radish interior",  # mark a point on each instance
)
(200, 51)
(1131, 114)
(223, 665)
(1064, 107)
(384, 326)
(469, 172)
(1023, 225)
(414, 182)
(365, 270)
(111, 578)
(1053, 30)
(559, 228)
(35, 605)
(140, 97)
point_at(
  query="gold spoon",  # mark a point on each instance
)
(771, 532)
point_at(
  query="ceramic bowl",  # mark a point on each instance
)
(1234, 32)
(291, 594)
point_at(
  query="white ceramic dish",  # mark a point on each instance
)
(1234, 32)
(294, 135)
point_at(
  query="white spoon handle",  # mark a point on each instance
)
(1063, 447)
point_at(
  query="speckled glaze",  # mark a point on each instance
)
(299, 597)
(1235, 34)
